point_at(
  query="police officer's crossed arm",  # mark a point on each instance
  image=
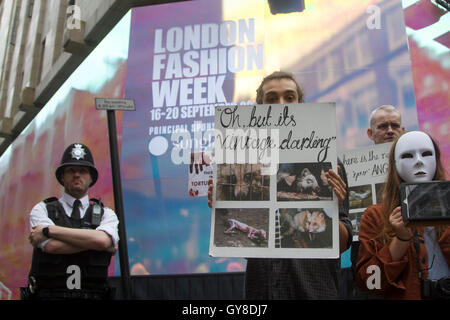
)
(64, 240)
(69, 240)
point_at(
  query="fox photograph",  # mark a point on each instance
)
(305, 228)
(241, 228)
(303, 182)
(242, 182)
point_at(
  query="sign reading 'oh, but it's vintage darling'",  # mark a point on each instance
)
(271, 197)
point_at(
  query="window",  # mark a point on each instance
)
(30, 8)
(12, 40)
(41, 61)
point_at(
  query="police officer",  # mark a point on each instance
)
(73, 237)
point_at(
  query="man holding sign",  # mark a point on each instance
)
(269, 278)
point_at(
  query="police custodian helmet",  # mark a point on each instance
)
(77, 154)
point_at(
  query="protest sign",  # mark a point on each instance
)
(271, 198)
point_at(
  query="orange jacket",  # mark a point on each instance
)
(398, 279)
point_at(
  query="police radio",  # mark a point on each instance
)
(96, 214)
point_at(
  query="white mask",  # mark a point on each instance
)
(415, 157)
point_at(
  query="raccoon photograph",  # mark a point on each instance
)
(305, 228)
(303, 181)
(241, 227)
(242, 182)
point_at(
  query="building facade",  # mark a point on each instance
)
(41, 43)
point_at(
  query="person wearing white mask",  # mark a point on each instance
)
(393, 259)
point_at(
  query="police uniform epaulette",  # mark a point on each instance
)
(97, 201)
(51, 199)
(53, 205)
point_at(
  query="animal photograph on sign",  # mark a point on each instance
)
(360, 196)
(303, 181)
(242, 182)
(241, 227)
(277, 193)
(305, 228)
